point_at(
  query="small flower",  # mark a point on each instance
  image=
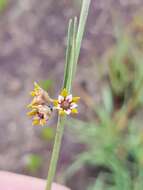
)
(40, 106)
(40, 114)
(66, 104)
(39, 95)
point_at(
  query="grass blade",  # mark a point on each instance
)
(72, 56)
(68, 52)
(81, 29)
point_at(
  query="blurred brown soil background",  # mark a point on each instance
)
(32, 48)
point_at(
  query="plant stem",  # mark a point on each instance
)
(73, 50)
(56, 149)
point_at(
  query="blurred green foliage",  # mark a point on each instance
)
(114, 141)
(3, 4)
(33, 162)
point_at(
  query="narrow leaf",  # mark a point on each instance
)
(68, 51)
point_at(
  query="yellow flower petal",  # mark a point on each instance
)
(64, 92)
(29, 106)
(32, 113)
(33, 107)
(33, 93)
(62, 113)
(75, 99)
(42, 122)
(36, 122)
(74, 111)
(55, 102)
(36, 86)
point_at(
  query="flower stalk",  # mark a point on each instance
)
(75, 35)
(56, 150)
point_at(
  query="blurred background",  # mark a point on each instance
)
(102, 147)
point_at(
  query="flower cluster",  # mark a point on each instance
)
(66, 104)
(42, 105)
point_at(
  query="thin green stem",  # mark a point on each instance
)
(56, 149)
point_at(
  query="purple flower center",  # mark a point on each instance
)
(41, 115)
(65, 104)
